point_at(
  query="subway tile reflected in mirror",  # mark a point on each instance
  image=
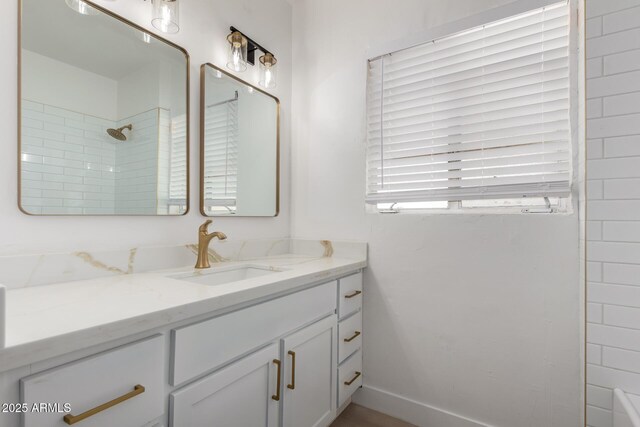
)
(104, 115)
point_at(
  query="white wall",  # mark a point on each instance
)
(204, 26)
(141, 90)
(158, 84)
(71, 88)
(613, 211)
(256, 155)
(478, 315)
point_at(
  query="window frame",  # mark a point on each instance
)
(564, 205)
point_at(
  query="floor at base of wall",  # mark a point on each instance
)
(359, 416)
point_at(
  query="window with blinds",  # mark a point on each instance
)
(221, 162)
(482, 114)
(178, 162)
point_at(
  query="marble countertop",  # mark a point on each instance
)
(51, 320)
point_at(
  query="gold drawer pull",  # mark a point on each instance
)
(357, 375)
(292, 386)
(72, 419)
(276, 396)
(356, 335)
(354, 294)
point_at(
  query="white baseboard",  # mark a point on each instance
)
(409, 410)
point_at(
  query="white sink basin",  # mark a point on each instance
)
(221, 276)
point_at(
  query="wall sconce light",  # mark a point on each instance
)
(237, 51)
(166, 16)
(81, 7)
(242, 50)
(268, 71)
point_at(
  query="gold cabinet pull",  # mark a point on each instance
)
(292, 386)
(354, 294)
(356, 376)
(276, 396)
(356, 335)
(72, 419)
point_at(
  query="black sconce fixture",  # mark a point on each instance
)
(242, 50)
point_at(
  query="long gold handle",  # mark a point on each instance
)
(292, 386)
(356, 335)
(354, 294)
(72, 419)
(353, 379)
(276, 396)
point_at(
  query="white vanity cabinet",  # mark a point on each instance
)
(310, 375)
(205, 346)
(297, 383)
(350, 295)
(295, 375)
(289, 359)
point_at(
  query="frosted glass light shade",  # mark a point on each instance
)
(166, 16)
(81, 7)
(268, 71)
(237, 60)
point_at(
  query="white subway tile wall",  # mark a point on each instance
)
(66, 157)
(613, 204)
(70, 165)
(136, 173)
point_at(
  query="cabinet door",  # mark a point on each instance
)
(244, 393)
(310, 364)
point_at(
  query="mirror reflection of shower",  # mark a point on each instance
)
(119, 133)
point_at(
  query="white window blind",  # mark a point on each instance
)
(178, 162)
(221, 153)
(482, 114)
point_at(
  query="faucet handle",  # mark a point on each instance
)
(204, 227)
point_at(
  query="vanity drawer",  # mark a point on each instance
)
(349, 336)
(207, 345)
(133, 374)
(349, 377)
(350, 295)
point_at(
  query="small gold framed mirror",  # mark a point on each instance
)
(104, 114)
(239, 147)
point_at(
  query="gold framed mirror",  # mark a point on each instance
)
(103, 114)
(239, 147)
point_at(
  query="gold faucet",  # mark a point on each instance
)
(204, 238)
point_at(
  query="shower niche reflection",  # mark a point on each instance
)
(104, 115)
